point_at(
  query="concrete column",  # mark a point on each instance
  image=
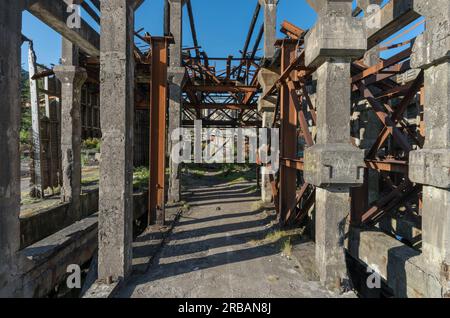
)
(175, 75)
(10, 76)
(333, 164)
(374, 126)
(266, 79)
(430, 166)
(72, 78)
(270, 26)
(116, 167)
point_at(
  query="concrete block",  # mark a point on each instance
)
(336, 34)
(433, 46)
(430, 167)
(334, 164)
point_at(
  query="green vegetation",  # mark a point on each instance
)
(140, 178)
(283, 239)
(91, 143)
(227, 172)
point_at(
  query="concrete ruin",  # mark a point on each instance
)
(364, 139)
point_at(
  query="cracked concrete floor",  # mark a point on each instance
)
(217, 249)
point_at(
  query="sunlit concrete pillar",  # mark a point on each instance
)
(72, 78)
(266, 107)
(266, 79)
(116, 167)
(333, 165)
(176, 74)
(10, 76)
(430, 166)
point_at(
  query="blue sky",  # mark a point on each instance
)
(221, 25)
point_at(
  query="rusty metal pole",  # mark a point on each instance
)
(158, 112)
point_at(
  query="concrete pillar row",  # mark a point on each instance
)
(115, 232)
(430, 166)
(176, 73)
(333, 165)
(72, 79)
(10, 75)
(266, 79)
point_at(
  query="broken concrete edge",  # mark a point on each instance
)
(401, 268)
(44, 263)
(101, 289)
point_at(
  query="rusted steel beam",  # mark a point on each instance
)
(288, 134)
(398, 166)
(192, 24)
(292, 163)
(158, 130)
(221, 88)
(403, 55)
(291, 30)
(220, 106)
(223, 123)
(384, 117)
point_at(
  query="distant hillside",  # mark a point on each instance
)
(25, 87)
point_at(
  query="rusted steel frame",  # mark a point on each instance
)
(382, 137)
(403, 55)
(301, 86)
(400, 195)
(385, 119)
(158, 130)
(301, 115)
(215, 79)
(192, 24)
(288, 134)
(392, 186)
(220, 106)
(306, 203)
(298, 198)
(296, 63)
(399, 166)
(223, 123)
(221, 88)
(296, 164)
(359, 198)
(249, 35)
(292, 30)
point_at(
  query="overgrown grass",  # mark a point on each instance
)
(283, 239)
(233, 173)
(141, 178)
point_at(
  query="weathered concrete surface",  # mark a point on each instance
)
(175, 76)
(55, 15)
(270, 26)
(116, 167)
(430, 166)
(10, 41)
(335, 33)
(47, 260)
(72, 78)
(333, 164)
(401, 267)
(44, 222)
(218, 250)
(394, 16)
(266, 79)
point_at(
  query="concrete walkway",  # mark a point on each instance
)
(220, 248)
